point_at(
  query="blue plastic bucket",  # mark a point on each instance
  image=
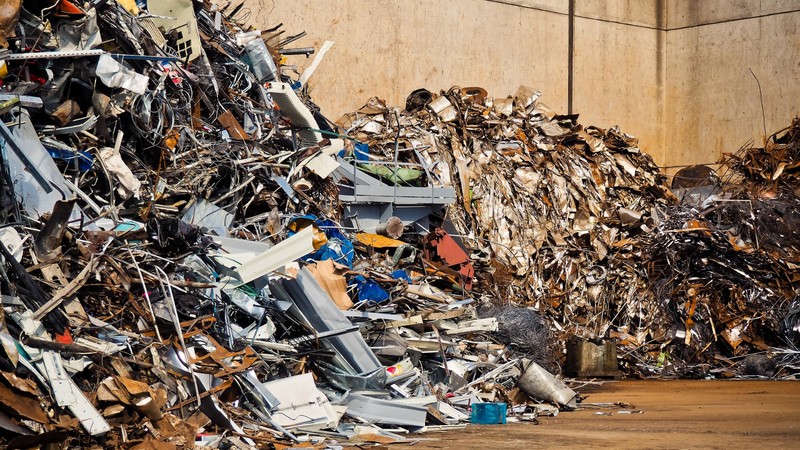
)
(488, 413)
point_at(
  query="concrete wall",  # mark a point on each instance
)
(712, 99)
(619, 69)
(689, 13)
(674, 73)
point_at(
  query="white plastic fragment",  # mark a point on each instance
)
(115, 75)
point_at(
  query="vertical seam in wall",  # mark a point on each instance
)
(570, 55)
(664, 11)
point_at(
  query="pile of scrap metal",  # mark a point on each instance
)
(776, 165)
(724, 265)
(174, 274)
(578, 223)
(193, 255)
(551, 208)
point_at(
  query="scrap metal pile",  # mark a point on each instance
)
(174, 273)
(553, 209)
(578, 223)
(193, 255)
(725, 266)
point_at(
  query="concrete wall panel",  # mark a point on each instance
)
(560, 6)
(713, 103)
(688, 13)
(644, 13)
(618, 81)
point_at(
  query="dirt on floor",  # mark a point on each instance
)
(676, 415)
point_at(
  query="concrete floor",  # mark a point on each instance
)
(676, 414)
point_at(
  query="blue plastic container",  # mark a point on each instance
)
(488, 413)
